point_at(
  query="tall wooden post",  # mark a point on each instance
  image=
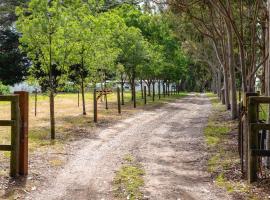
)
(15, 137)
(106, 97)
(145, 96)
(153, 85)
(252, 141)
(118, 100)
(24, 114)
(36, 102)
(159, 96)
(95, 105)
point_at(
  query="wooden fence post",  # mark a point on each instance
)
(252, 141)
(153, 85)
(35, 102)
(145, 96)
(24, 114)
(95, 105)
(159, 90)
(245, 132)
(106, 97)
(118, 100)
(15, 137)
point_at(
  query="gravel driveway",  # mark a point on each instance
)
(168, 142)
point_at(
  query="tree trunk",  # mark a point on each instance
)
(141, 82)
(134, 88)
(267, 80)
(83, 97)
(52, 116)
(219, 83)
(226, 88)
(106, 97)
(122, 90)
(149, 88)
(232, 72)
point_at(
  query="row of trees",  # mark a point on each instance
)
(87, 42)
(231, 38)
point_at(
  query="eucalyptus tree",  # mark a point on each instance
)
(238, 35)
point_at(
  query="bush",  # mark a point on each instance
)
(69, 88)
(4, 89)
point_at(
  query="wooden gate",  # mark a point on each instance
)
(252, 131)
(19, 132)
(255, 150)
(14, 123)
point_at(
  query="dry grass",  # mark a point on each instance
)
(70, 123)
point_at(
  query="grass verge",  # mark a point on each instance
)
(223, 163)
(129, 180)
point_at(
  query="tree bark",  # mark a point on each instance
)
(226, 87)
(141, 82)
(267, 80)
(149, 88)
(233, 90)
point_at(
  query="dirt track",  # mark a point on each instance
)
(167, 141)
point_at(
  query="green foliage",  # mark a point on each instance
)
(81, 41)
(13, 63)
(43, 40)
(163, 56)
(4, 89)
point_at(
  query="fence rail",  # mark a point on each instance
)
(19, 133)
(14, 123)
(252, 131)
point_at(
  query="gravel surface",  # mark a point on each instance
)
(168, 142)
